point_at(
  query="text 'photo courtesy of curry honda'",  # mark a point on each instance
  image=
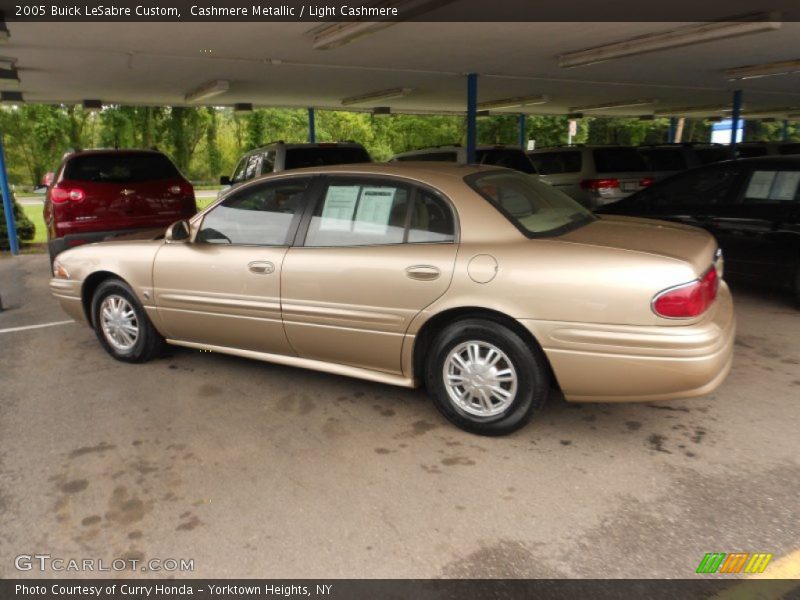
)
(485, 285)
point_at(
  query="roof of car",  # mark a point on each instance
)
(112, 151)
(292, 145)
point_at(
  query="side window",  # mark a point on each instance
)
(772, 186)
(238, 172)
(359, 214)
(715, 185)
(260, 215)
(553, 163)
(253, 166)
(268, 162)
(431, 220)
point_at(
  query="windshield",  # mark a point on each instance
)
(536, 208)
(120, 167)
(506, 157)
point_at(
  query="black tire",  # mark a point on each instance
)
(148, 342)
(530, 364)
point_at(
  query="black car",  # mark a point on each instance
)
(752, 207)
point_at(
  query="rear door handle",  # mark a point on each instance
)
(423, 272)
(261, 267)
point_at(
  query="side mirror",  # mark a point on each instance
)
(224, 180)
(178, 232)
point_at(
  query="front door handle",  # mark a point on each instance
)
(261, 267)
(423, 272)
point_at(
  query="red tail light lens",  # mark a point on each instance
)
(688, 300)
(596, 184)
(61, 195)
(647, 182)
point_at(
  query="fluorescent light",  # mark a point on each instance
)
(513, 102)
(208, 90)
(785, 67)
(692, 110)
(374, 96)
(8, 62)
(675, 38)
(333, 35)
(608, 105)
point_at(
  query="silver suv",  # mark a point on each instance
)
(593, 175)
(499, 155)
(280, 156)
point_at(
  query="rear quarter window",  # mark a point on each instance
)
(120, 167)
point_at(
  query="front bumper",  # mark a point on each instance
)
(622, 363)
(68, 294)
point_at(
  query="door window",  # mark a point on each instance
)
(253, 167)
(431, 220)
(238, 172)
(714, 185)
(268, 162)
(772, 186)
(260, 215)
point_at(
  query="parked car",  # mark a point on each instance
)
(499, 155)
(280, 156)
(484, 283)
(96, 194)
(752, 206)
(593, 175)
(754, 149)
(664, 160)
(789, 148)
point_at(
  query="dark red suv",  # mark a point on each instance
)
(97, 194)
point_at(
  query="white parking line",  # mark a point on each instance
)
(53, 324)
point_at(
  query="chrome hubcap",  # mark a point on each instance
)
(119, 323)
(480, 378)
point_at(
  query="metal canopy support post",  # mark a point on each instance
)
(472, 115)
(523, 134)
(673, 126)
(312, 126)
(735, 118)
(785, 130)
(8, 204)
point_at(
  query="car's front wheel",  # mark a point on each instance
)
(121, 323)
(485, 378)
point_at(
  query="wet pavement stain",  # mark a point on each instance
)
(457, 460)
(99, 449)
(126, 509)
(93, 520)
(633, 425)
(75, 486)
(656, 442)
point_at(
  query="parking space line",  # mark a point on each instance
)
(26, 327)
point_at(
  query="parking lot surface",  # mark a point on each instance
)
(257, 470)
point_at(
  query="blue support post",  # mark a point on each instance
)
(8, 205)
(312, 126)
(735, 118)
(785, 130)
(523, 134)
(472, 115)
(673, 127)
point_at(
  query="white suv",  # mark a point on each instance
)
(593, 175)
(499, 155)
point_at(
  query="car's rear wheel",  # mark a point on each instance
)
(121, 323)
(485, 378)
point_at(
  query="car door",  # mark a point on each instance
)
(759, 231)
(374, 253)
(223, 287)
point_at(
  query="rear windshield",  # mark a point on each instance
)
(297, 158)
(120, 167)
(553, 163)
(664, 159)
(536, 208)
(713, 155)
(618, 160)
(506, 157)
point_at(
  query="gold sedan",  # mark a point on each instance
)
(485, 285)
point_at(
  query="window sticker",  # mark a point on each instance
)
(760, 184)
(340, 204)
(374, 210)
(785, 185)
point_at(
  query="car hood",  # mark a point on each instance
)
(660, 238)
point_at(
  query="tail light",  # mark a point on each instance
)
(646, 182)
(60, 195)
(183, 189)
(688, 300)
(596, 185)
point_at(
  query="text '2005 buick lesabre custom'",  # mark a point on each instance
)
(484, 284)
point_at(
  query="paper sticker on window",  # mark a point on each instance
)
(340, 204)
(785, 185)
(760, 184)
(374, 210)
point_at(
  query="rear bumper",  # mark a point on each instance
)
(618, 363)
(68, 294)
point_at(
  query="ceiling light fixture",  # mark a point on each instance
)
(518, 101)
(675, 38)
(243, 107)
(13, 97)
(610, 105)
(785, 67)
(334, 35)
(93, 104)
(373, 96)
(693, 110)
(208, 90)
